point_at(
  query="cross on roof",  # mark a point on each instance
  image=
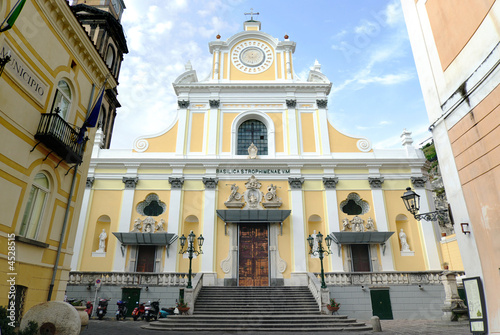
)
(251, 14)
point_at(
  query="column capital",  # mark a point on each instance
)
(183, 103)
(210, 183)
(291, 103)
(89, 182)
(376, 182)
(418, 181)
(130, 182)
(215, 103)
(322, 103)
(330, 182)
(176, 182)
(296, 183)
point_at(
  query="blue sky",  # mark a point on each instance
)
(362, 45)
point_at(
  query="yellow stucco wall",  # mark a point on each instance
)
(340, 142)
(308, 133)
(192, 207)
(451, 253)
(227, 121)
(197, 132)
(165, 142)
(278, 130)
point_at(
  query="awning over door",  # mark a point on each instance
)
(253, 215)
(146, 238)
(365, 237)
(155, 239)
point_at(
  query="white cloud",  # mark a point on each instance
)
(388, 79)
(367, 28)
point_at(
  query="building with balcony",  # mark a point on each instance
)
(253, 164)
(46, 93)
(456, 46)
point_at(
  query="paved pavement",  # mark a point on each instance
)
(392, 327)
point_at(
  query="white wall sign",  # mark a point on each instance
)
(24, 75)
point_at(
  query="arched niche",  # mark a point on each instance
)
(103, 222)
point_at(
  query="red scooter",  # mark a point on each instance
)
(138, 312)
(89, 307)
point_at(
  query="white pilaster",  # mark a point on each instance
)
(323, 129)
(292, 129)
(125, 219)
(428, 230)
(181, 129)
(82, 222)
(174, 217)
(382, 225)
(213, 116)
(298, 229)
(332, 217)
(209, 220)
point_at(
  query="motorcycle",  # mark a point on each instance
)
(89, 307)
(138, 312)
(122, 310)
(102, 308)
(151, 310)
(164, 312)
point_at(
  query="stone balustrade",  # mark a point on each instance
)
(384, 278)
(128, 278)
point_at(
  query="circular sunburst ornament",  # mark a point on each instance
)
(252, 56)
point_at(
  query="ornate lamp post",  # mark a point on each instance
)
(320, 251)
(412, 203)
(190, 251)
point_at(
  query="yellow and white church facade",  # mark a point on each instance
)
(253, 164)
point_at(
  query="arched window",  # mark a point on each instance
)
(110, 57)
(252, 131)
(62, 99)
(35, 206)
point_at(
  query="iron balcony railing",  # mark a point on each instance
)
(60, 137)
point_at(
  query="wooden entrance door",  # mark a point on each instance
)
(360, 257)
(254, 255)
(146, 258)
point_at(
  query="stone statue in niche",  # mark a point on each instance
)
(369, 225)
(102, 241)
(357, 224)
(315, 244)
(345, 225)
(137, 226)
(404, 243)
(252, 151)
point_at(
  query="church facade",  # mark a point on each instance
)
(253, 164)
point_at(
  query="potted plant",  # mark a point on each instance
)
(182, 306)
(333, 306)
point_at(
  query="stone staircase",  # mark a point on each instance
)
(257, 309)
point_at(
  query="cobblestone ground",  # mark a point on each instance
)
(392, 327)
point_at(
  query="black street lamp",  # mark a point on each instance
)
(320, 251)
(412, 203)
(190, 251)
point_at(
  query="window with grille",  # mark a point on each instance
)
(252, 131)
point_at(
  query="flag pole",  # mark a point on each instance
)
(8, 16)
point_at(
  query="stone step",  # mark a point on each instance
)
(306, 329)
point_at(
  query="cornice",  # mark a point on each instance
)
(60, 16)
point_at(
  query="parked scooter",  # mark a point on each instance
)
(89, 307)
(164, 312)
(102, 308)
(138, 312)
(151, 310)
(122, 310)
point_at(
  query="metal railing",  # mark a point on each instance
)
(60, 137)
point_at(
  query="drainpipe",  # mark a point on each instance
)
(63, 232)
